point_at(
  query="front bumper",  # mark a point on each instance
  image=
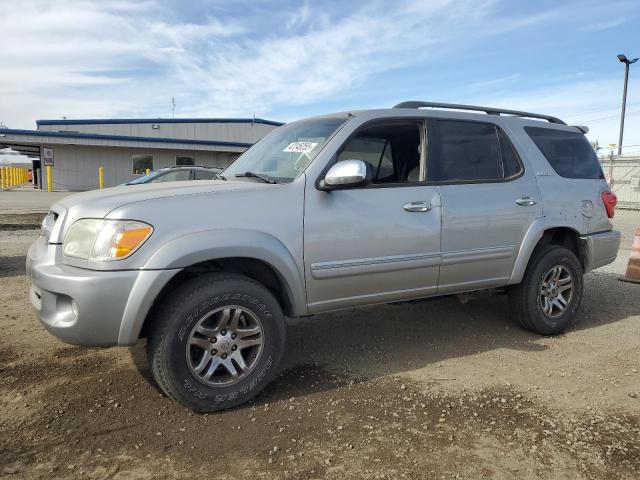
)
(600, 249)
(87, 307)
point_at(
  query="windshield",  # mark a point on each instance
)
(287, 150)
(145, 178)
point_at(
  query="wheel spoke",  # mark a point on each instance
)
(203, 343)
(235, 319)
(231, 368)
(243, 343)
(206, 356)
(206, 331)
(248, 332)
(546, 305)
(223, 322)
(239, 359)
(561, 302)
(212, 368)
(566, 287)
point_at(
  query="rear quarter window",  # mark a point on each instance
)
(569, 153)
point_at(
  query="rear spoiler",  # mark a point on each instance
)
(581, 128)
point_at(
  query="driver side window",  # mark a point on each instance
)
(393, 150)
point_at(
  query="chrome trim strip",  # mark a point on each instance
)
(477, 255)
(365, 266)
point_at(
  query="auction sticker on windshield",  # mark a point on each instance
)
(300, 147)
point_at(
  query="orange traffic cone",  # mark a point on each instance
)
(633, 268)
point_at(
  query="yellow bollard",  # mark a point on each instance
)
(12, 181)
(147, 171)
(2, 177)
(49, 179)
(101, 177)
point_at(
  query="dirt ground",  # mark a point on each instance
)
(436, 390)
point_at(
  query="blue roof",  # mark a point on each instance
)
(95, 136)
(96, 121)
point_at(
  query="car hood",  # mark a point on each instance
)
(98, 203)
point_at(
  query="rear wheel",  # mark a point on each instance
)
(217, 342)
(547, 299)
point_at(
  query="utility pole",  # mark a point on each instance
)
(173, 106)
(626, 62)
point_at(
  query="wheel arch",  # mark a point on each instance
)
(540, 234)
(256, 255)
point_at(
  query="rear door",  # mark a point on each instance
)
(489, 200)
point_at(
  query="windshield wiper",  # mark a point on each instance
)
(259, 176)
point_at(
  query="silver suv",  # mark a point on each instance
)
(338, 211)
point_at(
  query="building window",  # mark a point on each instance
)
(185, 161)
(141, 163)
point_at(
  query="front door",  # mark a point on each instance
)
(377, 243)
(489, 201)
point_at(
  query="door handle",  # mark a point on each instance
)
(526, 201)
(417, 206)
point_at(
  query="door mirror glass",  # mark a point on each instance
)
(347, 174)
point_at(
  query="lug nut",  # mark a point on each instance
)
(233, 335)
(223, 332)
(214, 340)
(213, 352)
(234, 348)
(224, 355)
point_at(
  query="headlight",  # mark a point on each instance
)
(105, 240)
(47, 225)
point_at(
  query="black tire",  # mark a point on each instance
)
(525, 298)
(178, 316)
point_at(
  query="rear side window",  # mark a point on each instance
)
(462, 151)
(569, 153)
(204, 174)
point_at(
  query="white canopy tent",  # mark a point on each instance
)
(13, 158)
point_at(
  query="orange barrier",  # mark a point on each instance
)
(633, 267)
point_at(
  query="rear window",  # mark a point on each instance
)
(569, 153)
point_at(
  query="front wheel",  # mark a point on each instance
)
(217, 342)
(547, 299)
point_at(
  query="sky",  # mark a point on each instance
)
(287, 60)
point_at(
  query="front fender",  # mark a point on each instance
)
(212, 244)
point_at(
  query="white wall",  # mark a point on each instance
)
(76, 166)
(229, 132)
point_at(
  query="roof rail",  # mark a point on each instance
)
(475, 108)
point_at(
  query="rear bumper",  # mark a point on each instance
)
(599, 249)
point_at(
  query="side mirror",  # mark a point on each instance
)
(347, 174)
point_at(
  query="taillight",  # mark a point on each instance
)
(610, 200)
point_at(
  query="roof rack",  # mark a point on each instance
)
(475, 108)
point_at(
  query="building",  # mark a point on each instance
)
(126, 148)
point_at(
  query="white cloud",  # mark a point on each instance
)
(594, 103)
(82, 58)
(606, 24)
